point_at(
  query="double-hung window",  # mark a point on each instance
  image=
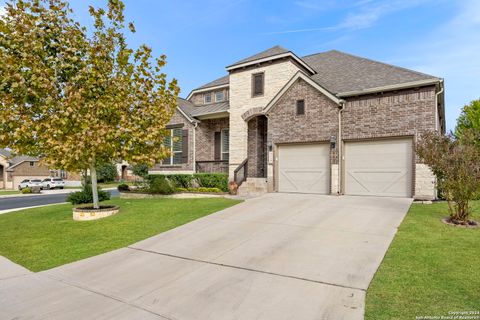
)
(225, 145)
(219, 96)
(174, 142)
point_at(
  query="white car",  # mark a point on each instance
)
(28, 183)
(52, 183)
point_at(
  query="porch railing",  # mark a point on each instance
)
(212, 166)
(240, 174)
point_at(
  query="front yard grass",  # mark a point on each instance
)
(9, 192)
(46, 237)
(430, 269)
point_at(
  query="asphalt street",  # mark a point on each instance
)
(30, 201)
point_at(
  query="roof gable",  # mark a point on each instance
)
(292, 81)
(273, 51)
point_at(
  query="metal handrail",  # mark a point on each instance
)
(243, 170)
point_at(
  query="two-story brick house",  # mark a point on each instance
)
(328, 123)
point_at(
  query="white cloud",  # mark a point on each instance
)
(362, 14)
(2, 11)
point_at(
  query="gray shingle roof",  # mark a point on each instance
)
(340, 72)
(218, 82)
(273, 51)
(196, 111)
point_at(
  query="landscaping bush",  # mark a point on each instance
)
(26, 190)
(180, 180)
(212, 180)
(456, 163)
(86, 196)
(123, 187)
(159, 184)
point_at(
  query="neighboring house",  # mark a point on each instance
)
(327, 123)
(14, 169)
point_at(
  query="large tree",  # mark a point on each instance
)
(80, 98)
(469, 121)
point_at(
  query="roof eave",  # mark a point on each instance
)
(213, 115)
(194, 91)
(276, 56)
(406, 85)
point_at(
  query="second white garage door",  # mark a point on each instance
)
(304, 168)
(379, 168)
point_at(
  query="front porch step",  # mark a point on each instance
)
(253, 187)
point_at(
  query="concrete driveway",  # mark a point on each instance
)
(279, 256)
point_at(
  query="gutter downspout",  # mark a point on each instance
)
(340, 145)
(437, 120)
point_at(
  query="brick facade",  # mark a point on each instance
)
(206, 137)
(179, 119)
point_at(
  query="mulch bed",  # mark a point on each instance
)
(463, 224)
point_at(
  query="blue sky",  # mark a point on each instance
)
(200, 38)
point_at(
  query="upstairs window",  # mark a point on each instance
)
(258, 84)
(32, 163)
(174, 141)
(219, 96)
(300, 107)
(207, 97)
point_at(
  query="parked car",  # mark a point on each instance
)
(52, 183)
(28, 183)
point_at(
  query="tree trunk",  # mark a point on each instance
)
(93, 176)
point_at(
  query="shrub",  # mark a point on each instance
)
(106, 172)
(26, 190)
(159, 184)
(123, 187)
(86, 196)
(212, 180)
(456, 163)
(180, 180)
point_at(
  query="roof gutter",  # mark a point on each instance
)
(405, 85)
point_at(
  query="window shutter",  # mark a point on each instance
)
(185, 146)
(217, 149)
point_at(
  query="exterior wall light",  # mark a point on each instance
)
(333, 142)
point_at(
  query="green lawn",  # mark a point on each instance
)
(429, 270)
(9, 192)
(46, 237)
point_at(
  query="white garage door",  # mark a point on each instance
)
(304, 168)
(379, 168)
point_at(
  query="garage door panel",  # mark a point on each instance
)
(304, 168)
(380, 168)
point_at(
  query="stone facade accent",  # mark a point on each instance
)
(425, 182)
(241, 100)
(179, 119)
(252, 113)
(334, 189)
